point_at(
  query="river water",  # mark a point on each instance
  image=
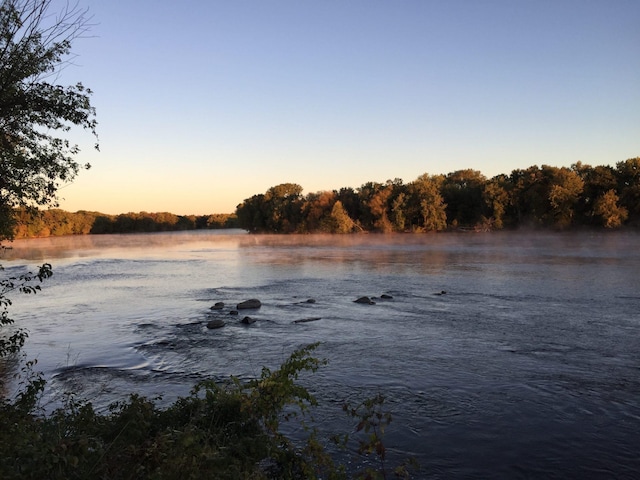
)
(527, 367)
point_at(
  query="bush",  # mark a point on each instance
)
(223, 431)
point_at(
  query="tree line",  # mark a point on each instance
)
(35, 223)
(546, 196)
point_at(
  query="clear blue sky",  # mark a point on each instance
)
(202, 104)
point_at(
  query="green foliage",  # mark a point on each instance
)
(340, 221)
(427, 207)
(373, 421)
(462, 193)
(223, 431)
(628, 174)
(29, 283)
(35, 158)
(279, 210)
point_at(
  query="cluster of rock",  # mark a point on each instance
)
(372, 300)
(251, 304)
(254, 304)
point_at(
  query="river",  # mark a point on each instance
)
(527, 367)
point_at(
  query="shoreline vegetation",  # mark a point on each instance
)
(547, 197)
(226, 430)
(231, 430)
(556, 198)
(55, 222)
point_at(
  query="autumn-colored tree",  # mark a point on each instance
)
(378, 206)
(316, 211)
(609, 211)
(340, 220)
(541, 196)
(564, 192)
(546, 196)
(496, 198)
(597, 181)
(365, 194)
(426, 206)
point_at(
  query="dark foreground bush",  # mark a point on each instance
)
(228, 431)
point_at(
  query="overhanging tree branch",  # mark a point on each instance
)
(36, 111)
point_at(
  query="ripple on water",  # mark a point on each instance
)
(526, 368)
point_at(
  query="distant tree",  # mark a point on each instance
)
(564, 193)
(546, 196)
(340, 220)
(278, 210)
(496, 199)
(103, 224)
(609, 211)
(316, 211)
(379, 205)
(398, 214)
(125, 223)
(250, 214)
(365, 194)
(628, 173)
(35, 112)
(530, 195)
(597, 181)
(283, 205)
(219, 220)
(186, 222)
(350, 202)
(7, 221)
(462, 192)
(426, 205)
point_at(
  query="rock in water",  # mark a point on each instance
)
(218, 306)
(305, 320)
(248, 320)
(251, 303)
(217, 323)
(365, 300)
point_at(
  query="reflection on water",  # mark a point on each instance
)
(50, 248)
(526, 367)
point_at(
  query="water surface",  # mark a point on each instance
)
(528, 366)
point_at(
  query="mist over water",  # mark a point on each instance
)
(528, 366)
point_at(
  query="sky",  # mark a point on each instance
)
(202, 104)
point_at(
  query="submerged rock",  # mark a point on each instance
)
(233, 312)
(441, 292)
(218, 306)
(248, 320)
(305, 320)
(247, 304)
(311, 300)
(217, 323)
(365, 300)
(386, 296)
